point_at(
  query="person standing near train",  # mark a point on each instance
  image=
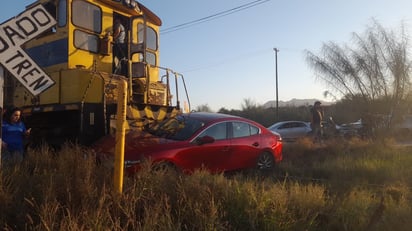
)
(13, 134)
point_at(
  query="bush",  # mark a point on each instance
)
(336, 186)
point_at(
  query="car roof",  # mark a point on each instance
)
(210, 116)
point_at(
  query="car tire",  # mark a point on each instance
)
(265, 161)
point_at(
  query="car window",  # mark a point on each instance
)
(286, 125)
(298, 125)
(176, 128)
(293, 125)
(189, 127)
(253, 130)
(241, 129)
(217, 131)
(283, 126)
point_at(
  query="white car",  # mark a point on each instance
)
(291, 130)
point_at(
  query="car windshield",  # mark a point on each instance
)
(176, 128)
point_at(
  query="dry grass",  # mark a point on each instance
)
(338, 185)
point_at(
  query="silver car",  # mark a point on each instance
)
(291, 130)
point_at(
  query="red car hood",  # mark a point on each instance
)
(137, 145)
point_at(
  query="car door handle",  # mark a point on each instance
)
(256, 144)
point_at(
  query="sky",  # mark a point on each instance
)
(230, 59)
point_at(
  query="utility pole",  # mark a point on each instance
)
(277, 94)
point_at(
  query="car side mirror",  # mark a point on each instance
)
(204, 140)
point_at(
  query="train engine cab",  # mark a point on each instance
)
(82, 54)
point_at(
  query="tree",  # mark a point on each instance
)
(376, 68)
(203, 108)
(248, 104)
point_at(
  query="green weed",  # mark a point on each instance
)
(337, 185)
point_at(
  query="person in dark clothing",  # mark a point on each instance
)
(316, 121)
(119, 37)
(119, 47)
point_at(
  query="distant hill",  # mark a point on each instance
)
(294, 103)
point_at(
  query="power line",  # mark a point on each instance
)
(213, 16)
(227, 60)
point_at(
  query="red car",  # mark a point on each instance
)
(217, 142)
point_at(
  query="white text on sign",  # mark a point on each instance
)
(13, 34)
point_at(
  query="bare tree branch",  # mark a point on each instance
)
(377, 66)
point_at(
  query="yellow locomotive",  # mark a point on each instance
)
(79, 54)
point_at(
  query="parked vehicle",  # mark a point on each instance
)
(351, 129)
(217, 142)
(330, 128)
(291, 130)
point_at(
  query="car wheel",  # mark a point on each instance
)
(265, 161)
